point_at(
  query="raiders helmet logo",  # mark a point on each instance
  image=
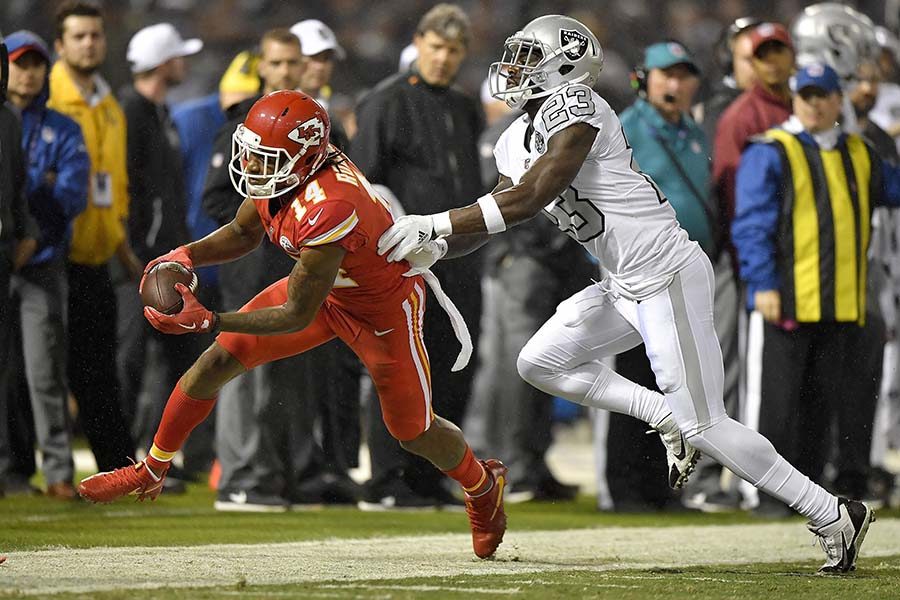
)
(539, 144)
(308, 133)
(567, 36)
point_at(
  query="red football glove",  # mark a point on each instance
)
(193, 317)
(181, 255)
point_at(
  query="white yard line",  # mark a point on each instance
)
(391, 558)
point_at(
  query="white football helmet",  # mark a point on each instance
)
(835, 34)
(548, 53)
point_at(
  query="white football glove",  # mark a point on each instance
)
(421, 259)
(406, 235)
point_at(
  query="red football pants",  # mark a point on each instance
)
(390, 345)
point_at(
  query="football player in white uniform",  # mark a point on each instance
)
(567, 156)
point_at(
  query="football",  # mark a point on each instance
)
(159, 286)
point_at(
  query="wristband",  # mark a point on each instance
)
(442, 246)
(490, 212)
(441, 223)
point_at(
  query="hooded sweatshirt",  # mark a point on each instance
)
(57, 163)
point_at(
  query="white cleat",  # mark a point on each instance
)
(842, 538)
(680, 454)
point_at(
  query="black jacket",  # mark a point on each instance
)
(421, 142)
(16, 222)
(157, 217)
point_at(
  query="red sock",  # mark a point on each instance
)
(471, 475)
(181, 415)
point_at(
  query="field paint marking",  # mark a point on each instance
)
(602, 550)
(419, 588)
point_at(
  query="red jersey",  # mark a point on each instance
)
(338, 206)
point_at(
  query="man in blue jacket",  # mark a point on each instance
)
(56, 191)
(805, 193)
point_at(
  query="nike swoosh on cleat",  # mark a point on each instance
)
(683, 453)
(385, 332)
(501, 482)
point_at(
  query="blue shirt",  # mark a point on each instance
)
(53, 143)
(197, 122)
(646, 130)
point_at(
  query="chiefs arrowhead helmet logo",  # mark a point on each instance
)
(309, 133)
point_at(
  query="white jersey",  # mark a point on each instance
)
(613, 209)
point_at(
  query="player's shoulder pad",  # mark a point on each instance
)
(571, 104)
(326, 222)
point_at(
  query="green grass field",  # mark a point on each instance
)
(179, 547)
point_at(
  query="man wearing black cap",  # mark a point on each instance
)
(56, 190)
(805, 192)
(18, 234)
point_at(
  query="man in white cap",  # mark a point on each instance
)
(321, 49)
(157, 219)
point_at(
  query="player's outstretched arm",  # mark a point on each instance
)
(231, 241)
(547, 178)
(309, 283)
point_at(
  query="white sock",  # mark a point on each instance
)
(596, 385)
(752, 457)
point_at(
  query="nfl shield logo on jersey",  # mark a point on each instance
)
(288, 246)
(567, 36)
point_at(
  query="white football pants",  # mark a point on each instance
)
(676, 326)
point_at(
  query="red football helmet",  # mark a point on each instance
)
(283, 141)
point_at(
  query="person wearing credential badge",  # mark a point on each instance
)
(78, 91)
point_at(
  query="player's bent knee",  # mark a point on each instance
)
(405, 431)
(213, 369)
(529, 371)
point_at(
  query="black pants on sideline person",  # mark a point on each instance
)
(92, 365)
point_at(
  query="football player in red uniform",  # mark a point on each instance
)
(309, 199)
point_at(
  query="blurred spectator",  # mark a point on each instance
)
(521, 286)
(255, 443)
(886, 111)
(329, 400)
(735, 58)
(672, 149)
(56, 189)
(806, 273)
(321, 49)
(18, 241)
(78, 90)
(157, 223)
(418, 136)
(197, 122)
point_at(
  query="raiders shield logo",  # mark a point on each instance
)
(539, 144)
(567, 36)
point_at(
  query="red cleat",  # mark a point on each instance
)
(134, 479)
(486, 516)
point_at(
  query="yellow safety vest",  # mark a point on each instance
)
(824, 228)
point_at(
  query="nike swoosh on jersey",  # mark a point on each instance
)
(385, 332)
(313, 220)
(191, 326)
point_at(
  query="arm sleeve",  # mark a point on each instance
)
(755, 226)
(220, 200)
(72, 174)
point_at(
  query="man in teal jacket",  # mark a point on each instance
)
(670, 147)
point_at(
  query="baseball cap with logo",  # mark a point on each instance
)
(769, 32)
(663, 55)
(315, 37)
(817, 75)
(154, 45)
